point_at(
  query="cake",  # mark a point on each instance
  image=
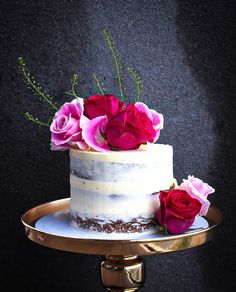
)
(121, 181)
(117, 191)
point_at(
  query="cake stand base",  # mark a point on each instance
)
(122, 273)
(122, 269)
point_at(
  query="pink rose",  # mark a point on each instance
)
(156, 118)
(199, 190)
(66, 127)
(129, 129)
(100, 105)
(177, 211)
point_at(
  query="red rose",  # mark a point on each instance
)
(177, 211)
(101, 105)
(129, 129)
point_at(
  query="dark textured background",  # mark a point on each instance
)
(186, 54)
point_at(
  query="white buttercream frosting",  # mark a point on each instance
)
(119, 185)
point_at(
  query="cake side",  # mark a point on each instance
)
(117, 191)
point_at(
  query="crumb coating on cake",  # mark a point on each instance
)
(118, 186)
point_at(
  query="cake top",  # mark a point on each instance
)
(148, 153)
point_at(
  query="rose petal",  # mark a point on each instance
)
(142, 107)
(156, 118)
(202, 187)
(126, 141)
(74, 130)
(92, 134)
(83, 121)
(75, 108)
(102, 105)
(199, 190)
(62, 124)
(62, 147)
(178, 226)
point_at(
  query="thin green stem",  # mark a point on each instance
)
(73, 83)
(137, 81)
(69, 93)
(30, 118)
(33, 85)
(97, 83)
(117, 65)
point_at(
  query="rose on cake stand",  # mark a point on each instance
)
(179, 207)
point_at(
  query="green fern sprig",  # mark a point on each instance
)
(34, 86)
(36, 121)
(137, 81)
(100, 86)
(74, 82)
(116, 62)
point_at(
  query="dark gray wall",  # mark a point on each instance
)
(185, 52)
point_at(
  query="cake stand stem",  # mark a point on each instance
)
(122, 273)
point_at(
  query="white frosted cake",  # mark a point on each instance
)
(117, 191)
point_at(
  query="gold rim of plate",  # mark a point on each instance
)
(122, 247)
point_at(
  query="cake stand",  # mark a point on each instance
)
(122, 269)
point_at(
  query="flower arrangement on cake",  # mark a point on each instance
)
(104, 123)
(121, 180)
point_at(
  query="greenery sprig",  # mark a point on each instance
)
(100, 86)
(36, 121)
(34, 86)
(137, 81)
(116, 62)
(74, 82)
(37, 90)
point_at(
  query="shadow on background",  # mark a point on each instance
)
(209, 41)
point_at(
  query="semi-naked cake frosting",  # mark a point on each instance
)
(117, 191)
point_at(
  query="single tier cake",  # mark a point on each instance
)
(117, 191)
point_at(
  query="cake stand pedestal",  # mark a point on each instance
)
(122, 269)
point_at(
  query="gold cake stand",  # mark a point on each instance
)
(122, 268)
